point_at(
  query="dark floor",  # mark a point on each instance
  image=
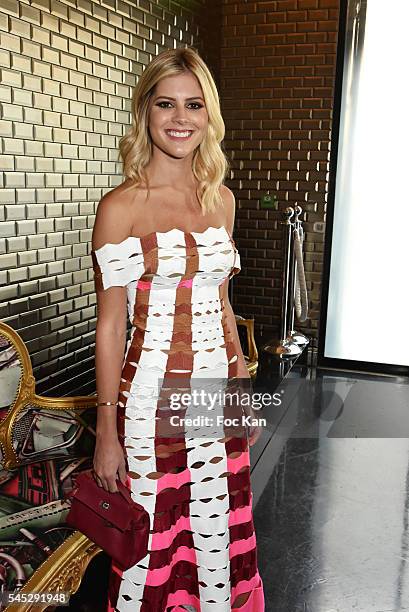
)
(332, 519)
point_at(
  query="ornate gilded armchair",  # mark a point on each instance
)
(44, 443)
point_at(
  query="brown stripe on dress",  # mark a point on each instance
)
(171, 452)
(149, 248)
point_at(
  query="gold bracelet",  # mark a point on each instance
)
(107, 404)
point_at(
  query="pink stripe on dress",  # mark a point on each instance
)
(159, 576)
(174, 481)
(236, 464)
(182, 594)
(144, 285)
(244, 586)
(239, 547)
(186, 283)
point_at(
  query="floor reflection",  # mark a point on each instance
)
(332, 520)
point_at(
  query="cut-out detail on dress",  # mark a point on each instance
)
(118, 264)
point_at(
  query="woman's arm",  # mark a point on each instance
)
(254, 431)
(230, 207)
(242, 370)
(111, 225)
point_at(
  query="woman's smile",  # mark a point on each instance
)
(179, 134)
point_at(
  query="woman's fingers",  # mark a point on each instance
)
(106, 483)
(112, 486)
(122, 472)
(97, 478)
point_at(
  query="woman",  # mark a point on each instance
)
(162, 248)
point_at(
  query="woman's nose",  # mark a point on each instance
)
(180, 113)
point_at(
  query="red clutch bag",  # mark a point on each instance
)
(113, 521)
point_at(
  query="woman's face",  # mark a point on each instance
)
(178, 117)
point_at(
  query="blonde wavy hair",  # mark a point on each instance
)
(209, 163)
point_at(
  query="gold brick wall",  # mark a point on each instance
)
(67, 70)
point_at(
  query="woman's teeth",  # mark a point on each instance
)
(174, 134)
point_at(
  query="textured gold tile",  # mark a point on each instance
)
(8, 162)
(77, 79)
(7, 292)
(14, 179)
(16, 244)
(76, 17)
(59, 9)
(25, 196)
(30, 13)
(11, 77)
(43, 164)
(92, 25)
(60, 74)
(107, 87)
(35, 180)
(7, 228)
(75, 48)
(58, 42)
(68, 30)
(84, 65)
(24, 130)
(42, 69)
(67, 72)
(92, 54)
(114, 47)
(69, 61)
(19, 62)
(78, 137)
(42, 36)
(12, 112)
(12, 146)
(41, 4)
(30, 48)
(43, 133)
(15, 276)
(5, 93)
(53, 89)
(31, 84)
(25, 163)
(10, 7)
(6, 128)
(99, 42)
(5, 58)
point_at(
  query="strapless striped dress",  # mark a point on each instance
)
(202, 545)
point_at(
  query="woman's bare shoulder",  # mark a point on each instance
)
(229, 202)
(116, 214)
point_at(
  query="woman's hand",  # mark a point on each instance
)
(109, 461)
(254, 432)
